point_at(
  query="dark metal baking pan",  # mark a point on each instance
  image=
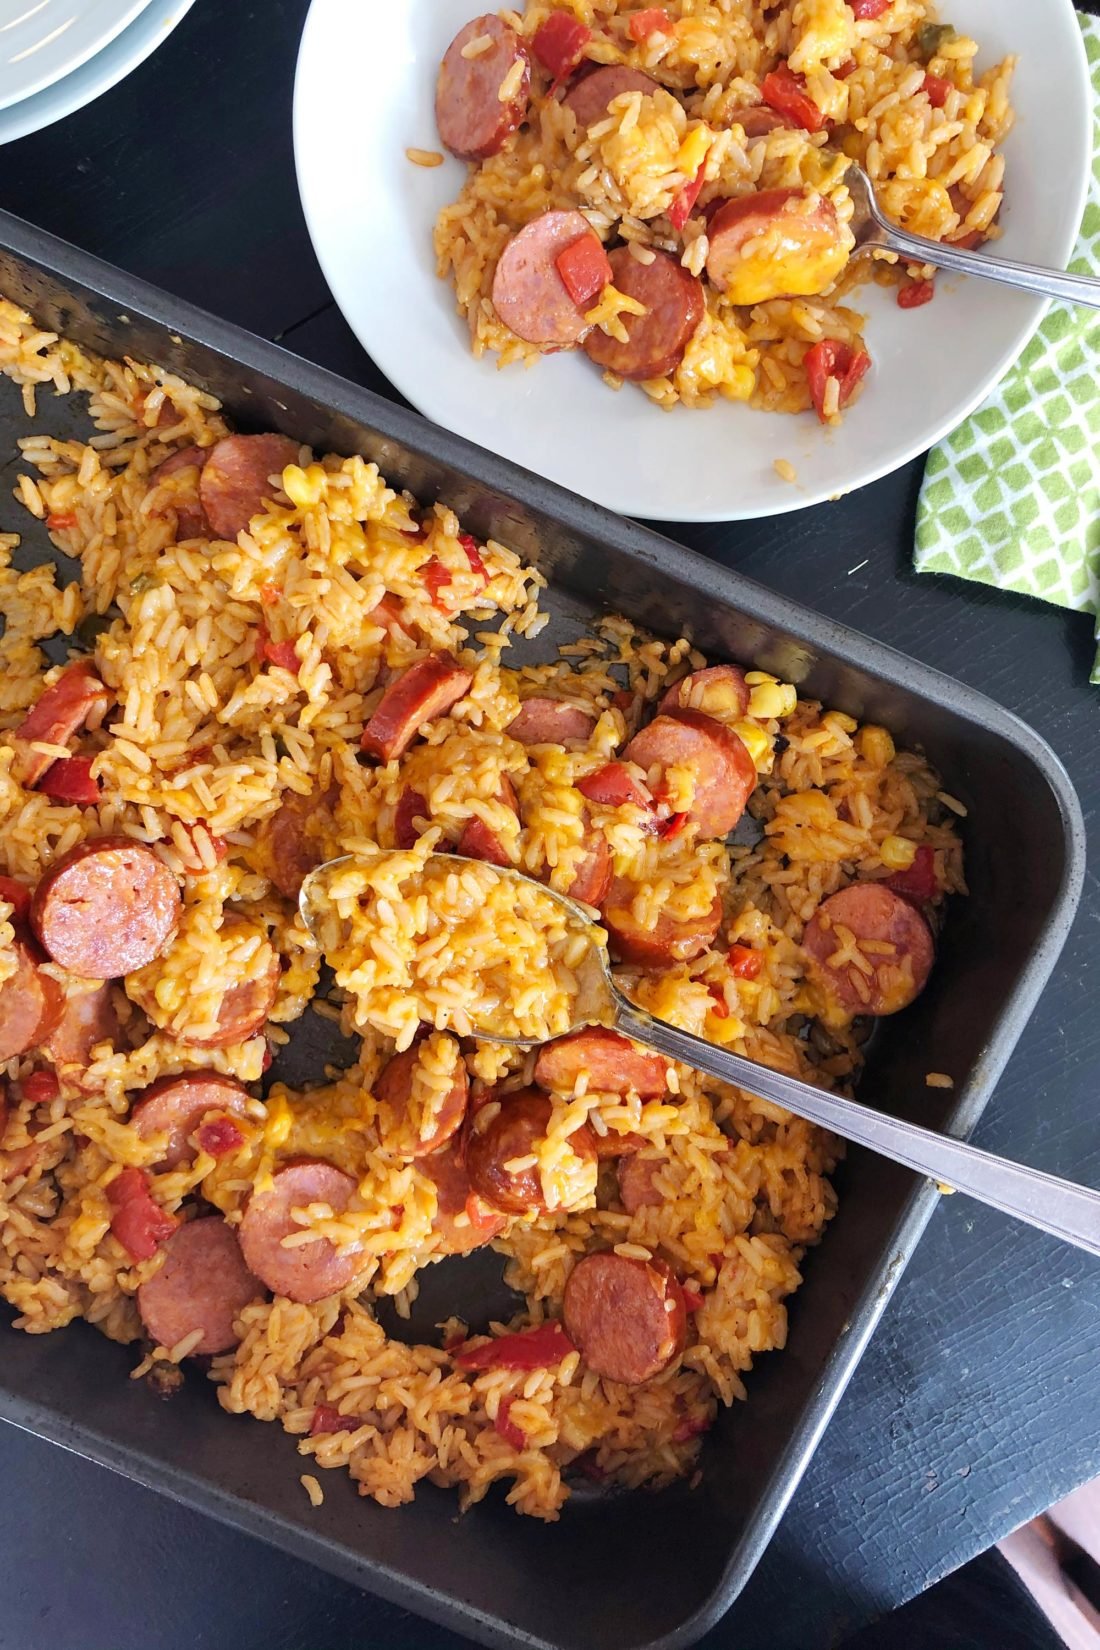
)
(621, 1571)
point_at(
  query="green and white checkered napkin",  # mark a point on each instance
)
(1012, 497)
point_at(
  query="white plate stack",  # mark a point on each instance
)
(57, 55)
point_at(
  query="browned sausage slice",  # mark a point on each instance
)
(106, 907)
(661, 943)
(474, 121)
(545, 721)
(411, 806)
(309, 1271)
(62, 709)
(757, 120)
(175, 1106)
(422, 692)
(202, 1283)
(655, 341)
(615, 1144)
(610, 1061)
(480, 841)
(89, 1017)
(183, 496)
(462, 1222)
(589, 96)
(626, 1316)
(235, 479)
(31, 1004)
(408, 1127)
(808, 253)
(636, 1182)
(870, 922)
(529, 295)
(245, 1007)
(719, 690)
(294, 839)
(515, 1131)
(592, 876)
(724, 772)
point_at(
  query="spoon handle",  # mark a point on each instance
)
(1048, 283)
(1066, 1210)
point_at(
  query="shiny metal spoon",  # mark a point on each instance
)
(1061, 1207)
(872, 230)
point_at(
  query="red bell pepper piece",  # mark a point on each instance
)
(693, 1300)
(270, 594)
(833, 359)
(219, 1136)
(327, 1419)
(918, 881)
(276, 653)
(559, 45)
(584, 268)
(867, 10)
(937, 89)
(613, 785)
(684, 201)
(41, 1087)
(721, 1007)
(538, 1348)
(18, 896)
(672, 827)
(60, 521)
(745, 963)
(786, 92)
(915, 293)
(70, 780)
(137, 1220)
(691, 1429)
(653, 20)
(509, 1430)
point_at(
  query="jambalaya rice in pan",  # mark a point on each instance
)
(274, 659)
(664, 186)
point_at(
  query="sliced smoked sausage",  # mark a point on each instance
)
(719, 691)
(637, 1175)
(757, 120)
(542, 720)
(202, 1283)
(31, 1004)
(723, 770)
(626, 1316)
(61, 710)
(474, 120)
(106, 907)
(411, 806)
(593, 871)
(244, 1008)
(424, 691)
(235, 480)
(294, 839)
(888, 936)
(514, 1131)
(89, 1017)
(803, 253)
(309, 1271)
(175, 1106)
(183, 496)
(590, 94)
(610, 1061)
(529, 294)
(656, 341)
(661, 943)
(462, 1221)
(414, 1121)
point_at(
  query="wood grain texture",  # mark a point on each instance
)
(976, 1404)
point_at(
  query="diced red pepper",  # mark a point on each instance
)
(270, 594)
(613, 785)
(654, 20)
(411, 805)
(70, 780)
(866, 11)
(509, 1430)
(915, 293)
(744, 962)
(684, 201)
(388, 615)
(18, 896)
(786, 92)
(137, 1220)
(693, 1300)
(584, 268)
(276, 653)
(61, 521)
(716, 1259)
(937, 88)
(41, 1087)
(473, 556)
(845, 69)
(559, 44)
(268, 1059)
(327, 1419)
(217, 843)
(689, 1429)
(438, 578)
(671, 828)
(219, 1136)
(623, 699)
(833, 359)
(537, 1348)
(721, 1007)
(918, 881)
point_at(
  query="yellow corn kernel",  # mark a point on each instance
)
(304, 487)
(279, 1120)
(837, 720)
(755, 741)
(897, 852)
(754, 678)
(771, 700)
(693, 151)
(875, 745)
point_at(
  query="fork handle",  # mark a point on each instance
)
(1046, 283)
(1061, 1207)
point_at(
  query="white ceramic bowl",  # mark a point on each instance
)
(364, 93)
(42, 41)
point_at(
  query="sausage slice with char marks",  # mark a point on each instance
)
(891, 935)
(424, 691)
(719, 691)
(202, 1283)
(661, 943)
(31, 1004)
(473, 120)
(656, 341)
(235, 480)
(403, 1131)
(309, 1271)
(106, 908)
(529, 294)
(724, 772)
(175, 1106)
(611, 1062)
(626, 1316)
(515, 1131)
(542, 720)
(590, 94)
(462, 1222)
(60, 712)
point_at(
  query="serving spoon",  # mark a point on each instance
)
(874, 231)
(1060, 1207)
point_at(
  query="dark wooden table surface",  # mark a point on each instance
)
(978, 1402)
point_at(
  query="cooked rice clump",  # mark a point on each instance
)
(210, 747)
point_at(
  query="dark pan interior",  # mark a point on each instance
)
(625, 1570)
